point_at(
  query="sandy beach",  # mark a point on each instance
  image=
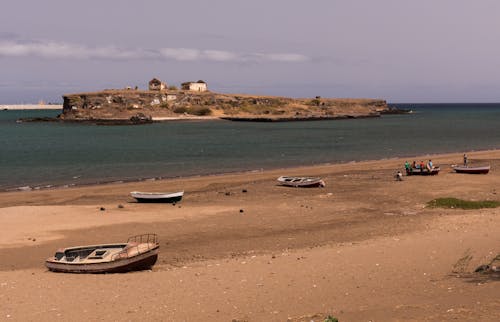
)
(240, 248)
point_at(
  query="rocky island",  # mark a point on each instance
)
(194, 101)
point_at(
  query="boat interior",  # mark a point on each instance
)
(89, 254)
(297, 179)
(135, 245)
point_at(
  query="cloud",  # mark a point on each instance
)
(220, 55)
(180, 54)
(55, 50)
(61, 50)
(291, 58)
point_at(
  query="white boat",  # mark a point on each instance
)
(305, 182)
(472, 170)
(138, 253)
(169, 197)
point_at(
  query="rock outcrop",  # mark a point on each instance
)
(125, 104)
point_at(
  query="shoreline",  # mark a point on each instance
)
(61, 186)
(296, 118)
(21, 107)
(165, 119)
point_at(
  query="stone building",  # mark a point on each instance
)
(156, 85)
(199, 86)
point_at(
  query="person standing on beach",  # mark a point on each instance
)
(407, 167)
(465, 160)
(430, 166)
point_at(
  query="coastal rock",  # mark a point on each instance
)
(137, 106)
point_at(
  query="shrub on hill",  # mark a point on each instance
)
(200, 111)
(180, 110)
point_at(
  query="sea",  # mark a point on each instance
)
(46, 155)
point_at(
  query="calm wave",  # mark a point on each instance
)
(43, 154)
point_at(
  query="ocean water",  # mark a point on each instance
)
(53, 154)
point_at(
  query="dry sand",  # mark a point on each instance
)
(364, 248)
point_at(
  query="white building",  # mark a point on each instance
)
(199, 86)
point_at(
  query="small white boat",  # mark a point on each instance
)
(168, 197)
(305, 182)
(138, 253)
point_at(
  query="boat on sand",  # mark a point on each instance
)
(423, 172)
(472, 170)
(138, 253)
(304, 182)
(167, 197)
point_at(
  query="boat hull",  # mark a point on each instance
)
(137, 263)
(151, 197)
(301, 182)
(474, 170)
(425, 172)
(159, 200)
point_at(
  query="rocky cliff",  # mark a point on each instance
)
(124, 104)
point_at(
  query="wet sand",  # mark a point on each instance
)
(363, 248)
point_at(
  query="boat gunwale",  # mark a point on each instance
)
(136, 194)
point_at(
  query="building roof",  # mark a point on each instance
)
(155, 81)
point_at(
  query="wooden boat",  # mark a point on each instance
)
(138, 253)
(168, 197)
(304, 182)
(472, 170)
(425, 172)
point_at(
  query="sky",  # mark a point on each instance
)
(397, 50)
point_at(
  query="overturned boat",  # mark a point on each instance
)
(472, 170)
(138, 253)
(305, 182)
(167, 197)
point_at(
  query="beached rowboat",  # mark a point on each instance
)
(305, 182)
(138, 253)
(472, 170)
(168, 197)
(423, 172)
